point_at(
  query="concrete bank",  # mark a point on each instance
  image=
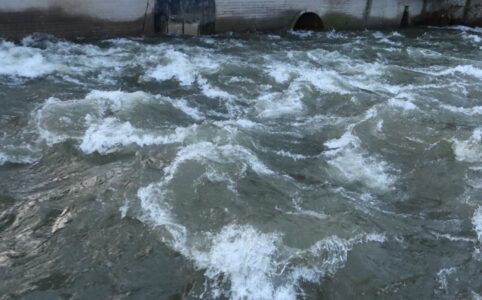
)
(93, 18)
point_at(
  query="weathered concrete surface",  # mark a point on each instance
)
(473, 13)
(391, 12)
(450, 12)
(76, 18)
(107, 10)
(94, 18)
(16, 25)
(235, 15)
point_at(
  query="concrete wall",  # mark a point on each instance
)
(451, 12)
(76, 18)
(475, 11)
(118, 10)
(100, 18)
(250, 15)
(235, 15)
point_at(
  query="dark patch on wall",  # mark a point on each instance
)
(438, 18)
(309, 21)
(183, 12)
(473, 13)
(367, 12)
(405, 22)
(440, 13)
(467, 7)
(346, 21)
(424, 8)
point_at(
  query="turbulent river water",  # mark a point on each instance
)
(335, 165)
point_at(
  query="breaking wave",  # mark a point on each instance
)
(20, 61)
(268, 162)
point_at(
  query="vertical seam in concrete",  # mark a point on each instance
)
(468, 4)
(145, 17)
(424, 8)
(367, 12)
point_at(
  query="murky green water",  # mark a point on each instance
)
(339, 165)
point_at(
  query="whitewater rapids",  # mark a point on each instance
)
(335, 165)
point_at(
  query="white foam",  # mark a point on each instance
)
(157, 211)
(184, 106)
(470, 111)
(405, 105)
(43, 121)
(277, 104)
(301, 33)
(213, 92)
(476, 296)
(241, 262)
(403, 101)
(328, 81)
(324, 80)
(423, 52)
(309, 213)
(376, 237)
(281, 73)
(181, 67)
(469, 150)
(477, 222)
(442, 277)
(293, 156)
(92, 121)
(86, 63)
(465, 28)
(239, 79)
(22, 61)
(58, 120)
(245, 123)
(240, 123)
(207, 151)
(336, 252)
(241, 253)
(251, 261)
(382, 38)
(3, 159)
(472, 37)
(13, 158)
(115, 101)
(213, 175)
(333, 34)
(246, 257)
(453, 238)
(461, 70)
(380, 126)
(109, 135)
(154, 206)
(99, 101)
(342, 75)
(370, 69)
(354, 165)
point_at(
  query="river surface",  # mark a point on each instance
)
(336, 165)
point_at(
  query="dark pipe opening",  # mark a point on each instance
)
(309, 21)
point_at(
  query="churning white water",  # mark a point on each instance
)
(333, 165)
